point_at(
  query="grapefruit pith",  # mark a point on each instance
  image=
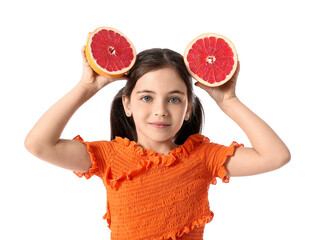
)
(211, 59)
(109, 52)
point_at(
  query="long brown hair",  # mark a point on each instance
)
(150, 60)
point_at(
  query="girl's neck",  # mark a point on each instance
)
(158, 147)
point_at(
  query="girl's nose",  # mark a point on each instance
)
(161, 110)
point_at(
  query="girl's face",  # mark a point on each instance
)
(158, 105)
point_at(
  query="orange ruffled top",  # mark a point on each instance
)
(154, 196)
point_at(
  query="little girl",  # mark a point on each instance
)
(157, 168)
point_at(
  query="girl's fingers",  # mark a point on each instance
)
(237, 70)
(83, 49)
(202, 86)
(83, 55)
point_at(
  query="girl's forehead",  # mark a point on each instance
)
(165, 79)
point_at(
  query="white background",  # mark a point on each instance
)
(277, 44)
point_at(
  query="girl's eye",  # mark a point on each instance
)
(174, 100)
(146, 98)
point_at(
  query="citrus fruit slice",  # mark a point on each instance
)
(109, 52)
(211, 59)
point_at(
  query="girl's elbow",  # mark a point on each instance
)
(28, 144)
(283, 158)
(32, 147)
(286, 157)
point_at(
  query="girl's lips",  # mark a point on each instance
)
(159, 125)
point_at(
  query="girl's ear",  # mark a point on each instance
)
(126, 105)
(188, 112)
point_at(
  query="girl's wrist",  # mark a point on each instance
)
(228, 103)
(86, 89)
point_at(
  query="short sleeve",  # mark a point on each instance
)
(98, 156)
(216, 156)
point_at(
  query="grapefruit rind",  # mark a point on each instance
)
(95, 66)
(199, 79)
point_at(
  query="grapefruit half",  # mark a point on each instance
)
(109, 52)
(211, 59)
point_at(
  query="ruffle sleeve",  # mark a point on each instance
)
(98, 157)
(216, 156)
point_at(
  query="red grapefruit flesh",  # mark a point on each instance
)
(211, 59)
(109, 52)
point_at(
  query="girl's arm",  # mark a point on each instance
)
(268, 151)
(44, 141)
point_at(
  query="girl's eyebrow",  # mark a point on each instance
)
(171, 92)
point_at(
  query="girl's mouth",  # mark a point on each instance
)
(159, 125)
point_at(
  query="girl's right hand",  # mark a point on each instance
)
(93, 81)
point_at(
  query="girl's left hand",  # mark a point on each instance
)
(224, 92)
